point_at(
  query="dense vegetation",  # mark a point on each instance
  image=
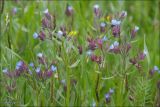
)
(80, 53)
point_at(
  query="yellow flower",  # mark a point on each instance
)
(72, 33)
(108, 18)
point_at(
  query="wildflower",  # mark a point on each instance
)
(133, 61)
(47, 14)
(53, 68)
(116, 31)
(72, 33)
(96, 10)
(31, 64)
(30, 72)
(111, 91)
(114, 47)
(102, 27)
(123, 14)
(116, 44)
(95, 58)
(42, 35)
(89, 52)
(14, 10)
(63, 29)
(80, 49)
(59, 34)
(19, 65)
(152, 71)
(92, 44)
(142, 55)
(104, 38)
(134, 31)
(45, 23)
(100, 43)
(5, 70)
(107, 97)
(69, 10)
(35, 35)
(40, 55)
(115, 22)
(38, 70)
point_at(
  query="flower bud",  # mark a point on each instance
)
(69, 10)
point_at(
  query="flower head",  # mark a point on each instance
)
(35, 35)
(115, 22)
(38, 70)
(19, 65)
(5, 70)
(96, 10)
(69, 10)
(53, 68)
(40, 55)
(59, 34)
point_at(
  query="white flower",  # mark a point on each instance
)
(96, 6)
(60, 34)
(45, 11)
(38, 69)
(70, 8)
(5, 70)
(136, 28)
(63, 81)
(156, 68)
(145, 52)
(40, 55)
(115, 22)
(35, 35)
(104, 38)
(111, 47)
(53, 68)
(102, 24)
(111, 91)
(89, 52)
(116, 44)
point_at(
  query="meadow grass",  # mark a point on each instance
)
(78, 72)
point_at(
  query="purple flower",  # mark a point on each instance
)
(102, 27)
(80, 49)
(47, 14)
(116, 31)
(107, 97)
(123, 14)
(14, 10)
(100, 43)
(19, 65)
(134, 31)
(111, 91)
(42, 35)
(69, 10)
(96, 10)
